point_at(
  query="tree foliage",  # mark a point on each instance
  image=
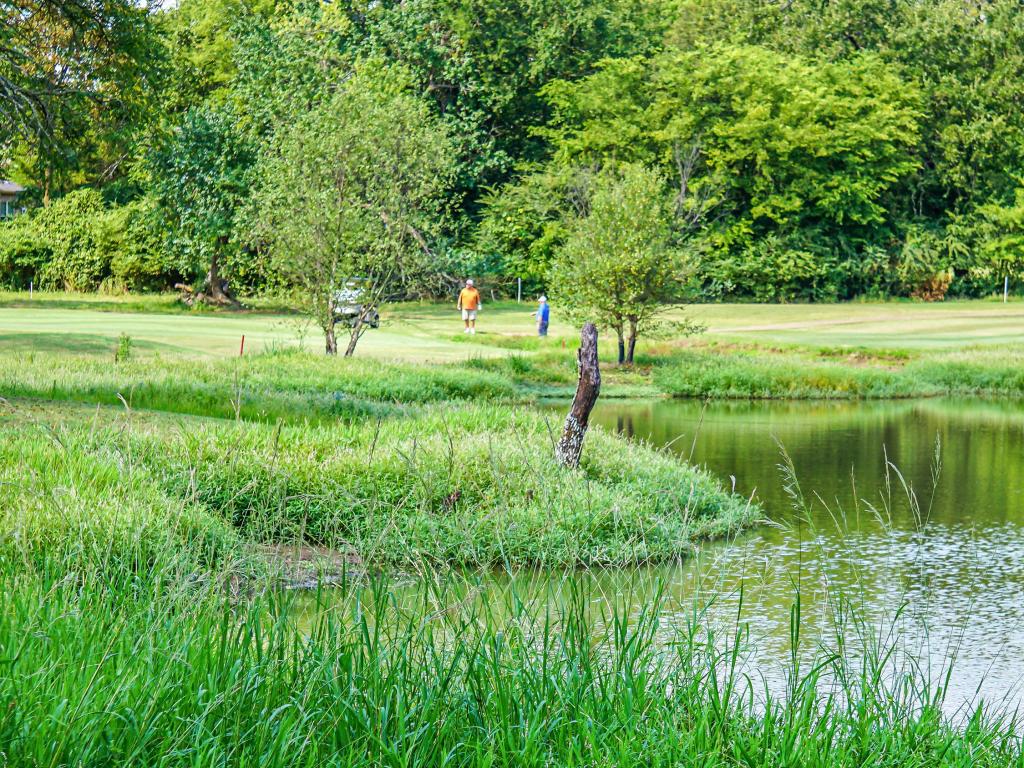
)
(810, 151)
(200, 176)
(353, 190)
(761, 147)
(76, 78)
(619, 266)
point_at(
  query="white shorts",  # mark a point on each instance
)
(469, 314)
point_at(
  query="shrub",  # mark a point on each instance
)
(771, 269)
(73, 228)
(24, 250)
(138, 257)
(78, 244)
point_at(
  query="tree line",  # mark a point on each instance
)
(623, 155)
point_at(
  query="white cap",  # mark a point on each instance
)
(543, 298)
(469, 282)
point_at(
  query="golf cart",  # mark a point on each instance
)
(347, 306)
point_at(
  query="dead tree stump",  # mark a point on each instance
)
(570, 446)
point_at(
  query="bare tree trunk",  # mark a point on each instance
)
(570, 447)
(330, 339)
(214, 289)
(622, 344)
(353, 337)
(631, 344)
(47, 183)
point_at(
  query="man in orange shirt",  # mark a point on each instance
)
(469, 303)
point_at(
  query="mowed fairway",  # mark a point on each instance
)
(897, 325)
(432, 332)
(96, 332)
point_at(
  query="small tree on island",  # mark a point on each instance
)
(351, 190)
(619, 265)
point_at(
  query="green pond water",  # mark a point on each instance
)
(912, 511)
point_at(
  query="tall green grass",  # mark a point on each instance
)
(474, 485)
(150, 674)
(66, 496)
(760, 374)
(477, 485)
(283, 385)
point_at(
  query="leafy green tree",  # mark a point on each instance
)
(1002, 231)
(965, 59)
(76, 81)
(524, 222)
(202, 37)
(619, 267)
(482, 62)
(200, 177)
(285, 67)
(768, 144)
(353, 189)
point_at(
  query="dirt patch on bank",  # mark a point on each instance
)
(305, 566)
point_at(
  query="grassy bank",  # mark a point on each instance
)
(434, 487)
(289, 385)
(752, 372)
(145, 503)
(72, 498)
(292, 385)
(860, 350)
(148, 674)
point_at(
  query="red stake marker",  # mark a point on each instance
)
(241, 349)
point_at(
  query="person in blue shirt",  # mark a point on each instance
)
(542, 314)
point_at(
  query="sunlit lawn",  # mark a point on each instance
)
(91, 325)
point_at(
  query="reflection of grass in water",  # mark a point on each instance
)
(900, 599)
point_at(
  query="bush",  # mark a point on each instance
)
(138, 256)
(73, 227)
(771, 269)
(24, 250)
(78, 244)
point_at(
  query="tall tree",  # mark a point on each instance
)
(482, 62)
(73, 74)
(200, 176)
(353, 189)
(771, 146)
(1002, 236)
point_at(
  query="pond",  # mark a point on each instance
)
(905, 517)
(912, 510)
